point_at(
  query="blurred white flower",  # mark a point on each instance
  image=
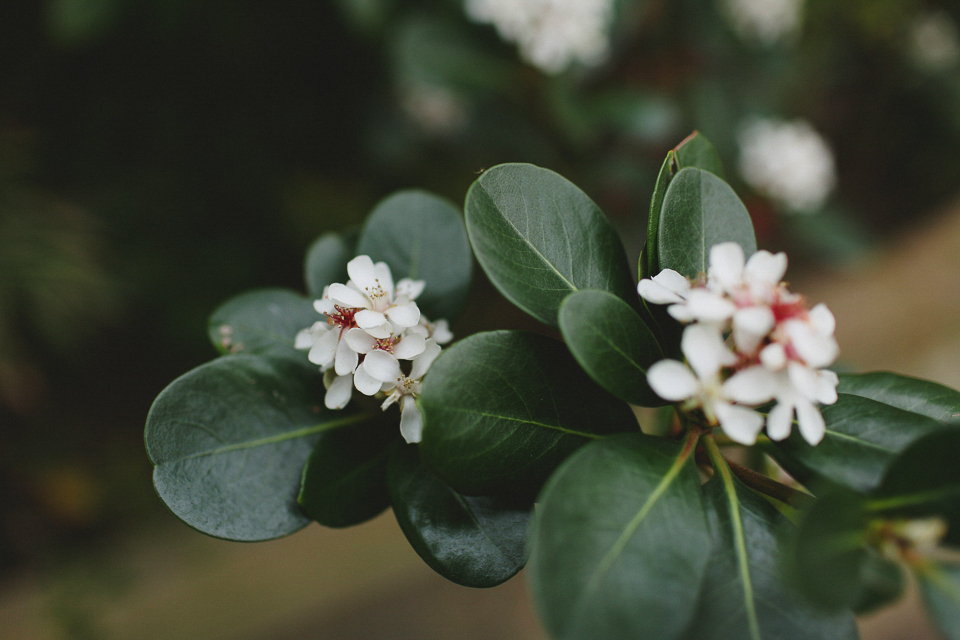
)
(438, 111)
(932, 42)
(787, 161)
(552, 34)
(767, 21)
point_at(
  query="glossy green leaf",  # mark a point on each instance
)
(326, 261)
(699, 211)
(229, 440)
(650, 257)
(345, 478)
(744, 594)
(696, 151)
(473, 541)
(619, 542)
(503, 409)
(611, 343)
(862, 439)
(910, 394)
(539, 238)
(422, 236)
(940, 587)
(260, 322)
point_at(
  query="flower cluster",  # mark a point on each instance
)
(749, 341)
(370, 327)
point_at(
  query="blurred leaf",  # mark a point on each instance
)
(503, 409)
(77, 22)
(619, 542)
(910, 394)
(229, 440)
(326, 261)
(421, 236)
(744, 578)
(344, 481)
(940, 587)
(881, 583)
(265, 321)
(475, 542)
(612, 343)
(539, 238)
(863, 437)
(699, 211)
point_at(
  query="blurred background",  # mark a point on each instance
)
(160, 156)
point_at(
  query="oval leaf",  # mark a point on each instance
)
(619, 542)
(696, 151)
(611, 343)
(699, 211)
(421, 236)
(539, 237)
(940, 587)
(263, 321)
(345, 478)
(650, 256)
(326, 261)
(229, 440)
(910, 394)
(473, 541)
(503, 409)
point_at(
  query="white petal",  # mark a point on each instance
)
(304, 339)
(422, 362)
(364, 382)
(324, 305)
(707, 306)
(381, 365)
(804, 380)
(750, 326)
(411, 421)
(339, 393)
(346, 359)
(810, 422)
(816, 349)
(780, 421)
(440, 332)
(740, 423)
(657, 293)
(766, 268)
(410, 288)
(384, 278)
(681, 313)
(405, 315)
(774, 356)
(704, 349)
(362, 272)
(726, 264)
(325, 348)
(826, 387)
(392, 397)
(368, 319)
(359, 340)
(753, 385)
(410, 346)
(671, 380)
(347, 297)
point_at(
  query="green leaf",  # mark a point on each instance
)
(743, 593)
(940, 587)
(611, 343)
(473, 541)
(421, 236)
(910, 394)
(698, 152)
(265, 321)
(326, 261)
(650, 257)
(345, 479)
(229, 440)
(863, 437)
(619, 542)
(699, 211)
(539, 238)
(881, 583)
(503, 409)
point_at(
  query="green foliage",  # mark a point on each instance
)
(940, 586)
(326, 261)
(260, 322)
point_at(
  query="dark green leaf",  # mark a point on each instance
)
(698, 152)
(539, 238)
(882, 582)
(728, 601)
(611, 343)
(503, 409)
(344, 481)
(473, 541)
(940, 586)
(619, 543)
(261, 322)
(422, 236)
(326, 261)
(650, 258)
(910, 394)
(229, 441)
(699, 211)
(863, 437)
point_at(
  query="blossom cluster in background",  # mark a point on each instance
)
(787, 161)
(767, 21)
(749, 341)
(371, 326)
(552, 34)
(932, 42)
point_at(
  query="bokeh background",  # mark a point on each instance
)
(160, 156)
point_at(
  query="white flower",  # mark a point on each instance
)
(703, 387)
(933, 43)
(552, 34)
(381, 357)
(788, 161)
(405, 390)
(768, 21)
